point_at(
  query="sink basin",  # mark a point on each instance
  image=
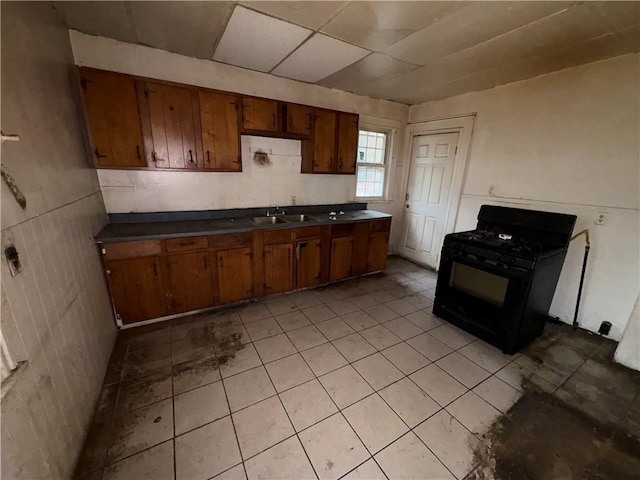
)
(298, 218)
(267, 220)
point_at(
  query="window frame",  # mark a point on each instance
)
(388, 132)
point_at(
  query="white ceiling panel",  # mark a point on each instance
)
(310, 14)
(256, 41)
(108, 19)
(376, 25)
(318, 58)
(189, 28)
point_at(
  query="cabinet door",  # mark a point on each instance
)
(172, 118)
(378, 251)
(347, 143)
(324, 147)
(220, 134)
(136, 288)
(308, 263)
(189, 283)
(278, 268)
(112, 113)
(235, 274)
(298, 119)
(341, 256)
(259, 114)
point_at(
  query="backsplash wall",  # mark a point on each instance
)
(278, 183)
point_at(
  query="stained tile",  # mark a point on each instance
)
(377, 371)
(333, 447)
(473, 412)
(342, 306)
(429, 347)
(243, 360)
(307, 404)
(499, 394)
(319, 313)
(305, 299)
(293, 320)
(273, 348)
(409, 458)
(306, 338)
(286, 460)
(194, 374)
(197, 407)
(154, 463)
(409, 401)
(353, 347)
(462, 369)
(381, 313)
(206, 451)
(289, 372)
(369, 470)
(261, 425)
(345, 386)
(324, 358)
(140, 393)
(364, 301)
(334, 328)
(376, 424)
(280, 306)
(254, 312)
(438, 384)
(453, 444)
(406, 358)
(380, 337)
(263, 328)
(248, 388)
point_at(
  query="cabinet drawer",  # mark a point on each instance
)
(278, 236)
(186, 244)
(309, 232)
(380, 225)
(342, 229)
(120, 251)
(231, 240)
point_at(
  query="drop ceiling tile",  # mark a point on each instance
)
(318, 58)
(108, 19)
(189, 28)
(363, 75)
(620, 15)
(468, 26)
(311, 14)
(376, 25)
(256, 41)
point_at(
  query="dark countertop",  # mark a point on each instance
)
(145, 230)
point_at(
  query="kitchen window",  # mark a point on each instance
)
(371, 164)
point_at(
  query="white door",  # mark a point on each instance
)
(428, 196)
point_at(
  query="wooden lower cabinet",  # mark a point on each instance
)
(189, 283)
(278, 268)
(235, 274)
(308, 262)
(341, 257)
(137, 289)
(378, 251)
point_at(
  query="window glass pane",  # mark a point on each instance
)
(371, 159)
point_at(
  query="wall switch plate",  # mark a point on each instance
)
(601, 219)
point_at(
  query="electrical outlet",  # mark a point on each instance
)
(601, 219)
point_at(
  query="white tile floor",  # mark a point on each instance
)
(357, 380)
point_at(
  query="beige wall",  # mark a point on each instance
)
(142, 191)
(566, 142)
(56, 316)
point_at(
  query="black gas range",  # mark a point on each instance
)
(498, 280)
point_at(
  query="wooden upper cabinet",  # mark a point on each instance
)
(324, 145)
(113, 119)
(297, 119)
(220, 132)
(347, 142)
(259, 114)
(173, 119)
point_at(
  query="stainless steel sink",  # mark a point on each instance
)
(267, 220)
(298, 218)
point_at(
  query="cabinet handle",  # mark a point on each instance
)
(274, 121)
(98, 154)
(298, 247)
(155, 270)
(138, 152)
(204, 261)
(221, 263)
(340, 163)
(184, 244)
(208, 157)
(190, 156)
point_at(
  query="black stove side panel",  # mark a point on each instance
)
(548, 228)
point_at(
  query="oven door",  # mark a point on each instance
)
(481, 296)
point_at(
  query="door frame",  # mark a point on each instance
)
(463, 125)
